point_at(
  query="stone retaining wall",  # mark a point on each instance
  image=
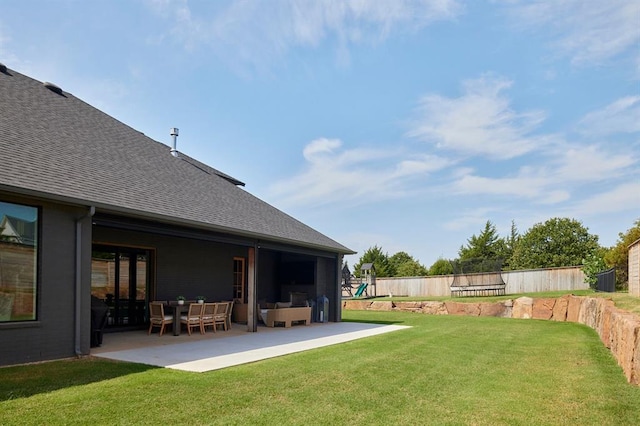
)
(619, 330)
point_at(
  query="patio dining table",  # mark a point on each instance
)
(178, 310)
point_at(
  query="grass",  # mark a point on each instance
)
(445, 370)
(623, 301)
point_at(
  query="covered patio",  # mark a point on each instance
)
(213, 351)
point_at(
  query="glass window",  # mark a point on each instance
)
(18, 262)
(238, 280)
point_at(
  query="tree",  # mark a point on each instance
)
(379, 259)
(487, 245)
(556, 242)
(484, 251)
(618, 256)
(411, 269)
(402, 264)
(441, 267)
(511, 243)
(592, 265)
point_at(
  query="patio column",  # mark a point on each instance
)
(252, 317)
(337, 295)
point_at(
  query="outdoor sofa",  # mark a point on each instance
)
(284, 313)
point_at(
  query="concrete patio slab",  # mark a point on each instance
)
(236, 349)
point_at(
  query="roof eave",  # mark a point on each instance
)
(138, 214)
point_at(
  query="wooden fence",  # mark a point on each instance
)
(634, 269)
(527, 281)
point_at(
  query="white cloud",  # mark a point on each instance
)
(589, 163)
(421, 164)
(561, 169)
(521, 186)
(530, 183)
(621, 116)
(258, 32)
(314, 151)
(589, 31)
(624, 197)
(354, 176)
(480, 122)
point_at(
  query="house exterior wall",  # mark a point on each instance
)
(327, 277)
(183, 267)
(52, 335)
(634, 269)
(274, 282)
(268, 289)
(191, 267)
(324, 275)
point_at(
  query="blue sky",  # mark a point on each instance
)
(400, 123)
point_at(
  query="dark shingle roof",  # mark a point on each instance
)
(57, 145)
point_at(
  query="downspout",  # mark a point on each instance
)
(337, 310)
(78, 285)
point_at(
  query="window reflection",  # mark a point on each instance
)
(119, 278)
(18, 262)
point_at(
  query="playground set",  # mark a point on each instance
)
(365, 285)
(471, 278)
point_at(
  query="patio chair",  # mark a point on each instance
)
(157, 318)
(220, 316)
(208, 311)
(193, 317)
(229, 311)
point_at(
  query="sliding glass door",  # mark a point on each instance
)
(120, 279)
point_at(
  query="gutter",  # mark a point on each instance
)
(78, 284)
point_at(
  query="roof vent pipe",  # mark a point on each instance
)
(174, 134)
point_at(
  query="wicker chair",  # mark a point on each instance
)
(193, 318)
(157, 318)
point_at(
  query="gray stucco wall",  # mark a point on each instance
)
(183, 266)
(272, 289)
(52, 335)
(268, 289)
(327, 286)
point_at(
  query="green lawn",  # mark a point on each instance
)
(445, 370)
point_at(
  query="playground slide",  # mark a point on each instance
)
(361, 290)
